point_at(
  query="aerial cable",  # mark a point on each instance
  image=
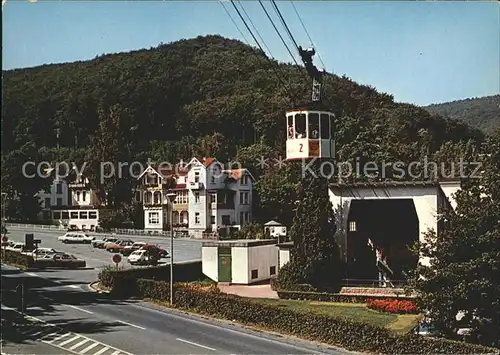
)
(256, 31)
(258, 44)
(278, 32)
(283, 22)
(234, 22)
(307, 33)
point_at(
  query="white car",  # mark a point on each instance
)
(139, 257)
(41, 252)
(13, 246)
(76, 237)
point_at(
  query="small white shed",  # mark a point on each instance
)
(275, 229)
(239, 261)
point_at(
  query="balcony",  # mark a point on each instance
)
(195, 185)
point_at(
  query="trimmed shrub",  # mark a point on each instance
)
(343, 332)
(16, 258)
(335, 297)
(120, 280)
(393, 306)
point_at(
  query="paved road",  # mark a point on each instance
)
(67, 316)
(184, 249)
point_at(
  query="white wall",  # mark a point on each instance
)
(284, 256)
(239, 265)
(158, 226)
(86, 223)
(449, 189)
(424, 198)
(210, 262)
(262, 258)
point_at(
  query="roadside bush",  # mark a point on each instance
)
(121, 280)
(15, 258)
(393, 306)
(343, 332)
(335, 297)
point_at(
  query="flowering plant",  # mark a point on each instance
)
(393, 306)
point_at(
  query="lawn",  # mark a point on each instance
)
(354, 311)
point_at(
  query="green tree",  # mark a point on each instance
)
(315, 258)
(464, 270)
(109, 147)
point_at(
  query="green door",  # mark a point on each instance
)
(224, 264)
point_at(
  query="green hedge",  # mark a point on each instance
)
(335, 297)
(120, 280)
(341, 332)
(16, 258)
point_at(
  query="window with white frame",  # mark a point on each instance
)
(78, 196)
(154, 217)
(196, 197)
(47, 202)
(84, 195)
(197, 218)
(244, 179)
(212, 219)
(182, 197)
(196, 176)
(244, 198)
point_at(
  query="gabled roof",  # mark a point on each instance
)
(238, 173)
(205, 161)
(165, 172)
(273, 224)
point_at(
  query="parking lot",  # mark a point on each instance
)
(184, 249)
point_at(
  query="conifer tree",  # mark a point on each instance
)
(315, 258)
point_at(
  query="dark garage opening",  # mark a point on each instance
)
(392, 225)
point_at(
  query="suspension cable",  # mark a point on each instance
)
(234, 22)
(256, 31)
(278, 32)
(307, 33)
(283, 22)
(292, 96)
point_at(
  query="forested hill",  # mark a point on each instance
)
(482, 112)
(205, 96)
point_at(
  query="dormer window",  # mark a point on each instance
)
(78, 195)
(196, 176)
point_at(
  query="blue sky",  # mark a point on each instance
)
(420, 52)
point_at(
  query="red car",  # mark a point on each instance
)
(154, 248)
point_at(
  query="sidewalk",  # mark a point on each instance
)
(251, 291)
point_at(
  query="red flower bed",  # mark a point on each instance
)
(393, 306)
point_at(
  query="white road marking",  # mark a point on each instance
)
(73, 286)
(31, 274)
(195, 344)
(90, 347)
(132, 325)
(69, 340)
(80, 309)
(116, 353)
(79, 344)
(5, 308)
(58, 338)
(103, 350)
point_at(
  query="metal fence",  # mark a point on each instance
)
(120, 231)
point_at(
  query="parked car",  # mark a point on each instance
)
(142, 257)
(15, 246)
(126, 251)
(100, 243)
(156, 249)
(62, 260)
(118, 245)
(73, 237)
(40, 252)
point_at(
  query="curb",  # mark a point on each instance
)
(94, 287)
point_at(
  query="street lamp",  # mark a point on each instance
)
(171, 197)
